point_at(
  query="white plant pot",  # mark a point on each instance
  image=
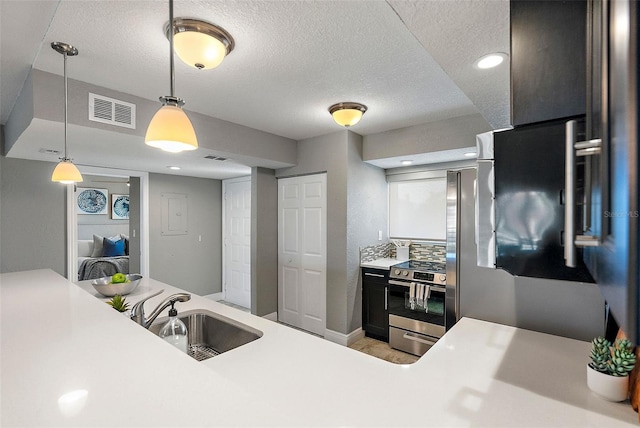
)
(612, 388)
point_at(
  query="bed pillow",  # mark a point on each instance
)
(112, 248)
(97, 246)
(126, 243)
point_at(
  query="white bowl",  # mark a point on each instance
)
(107, 289)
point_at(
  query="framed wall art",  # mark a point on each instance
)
(119, 207)
(92, 201)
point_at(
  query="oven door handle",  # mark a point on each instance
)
(410, 336)
(400, 283)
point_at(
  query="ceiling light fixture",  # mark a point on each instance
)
(347, 114)
(406, 162)
(200, 44)
(170, 129)
(175, 168)
(491, 60)
(470, 154)
(65, 172)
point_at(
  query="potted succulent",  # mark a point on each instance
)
(608, 371)
(119, 303)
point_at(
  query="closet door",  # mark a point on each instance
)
(302, 248)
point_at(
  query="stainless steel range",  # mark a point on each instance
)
(416, 305)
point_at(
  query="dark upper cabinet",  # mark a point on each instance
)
(548, 60)
(375, 315)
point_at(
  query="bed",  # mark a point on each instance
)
(102, 256)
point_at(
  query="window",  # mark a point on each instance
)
(417, 209)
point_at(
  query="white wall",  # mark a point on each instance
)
(102, 224)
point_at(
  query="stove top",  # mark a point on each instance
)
(420, 271)
(421, 266)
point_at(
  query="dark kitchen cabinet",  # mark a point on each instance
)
(548, 60)
(375, 316)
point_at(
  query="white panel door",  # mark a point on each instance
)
(302, 252)
(237, 241)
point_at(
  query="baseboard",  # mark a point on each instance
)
(215, 296)
(344, 339)
(273, 316)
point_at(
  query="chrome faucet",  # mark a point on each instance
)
(137, 311)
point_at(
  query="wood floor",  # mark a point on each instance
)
(383, 351)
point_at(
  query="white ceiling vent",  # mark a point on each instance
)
(114, 112)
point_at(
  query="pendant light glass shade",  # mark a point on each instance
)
(347, 114)
(200, 44)
(66, 173)
(171, 130)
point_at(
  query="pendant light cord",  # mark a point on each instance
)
(65, 106)
(173, 74)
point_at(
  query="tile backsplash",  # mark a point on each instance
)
(417, 251)
(374, 252)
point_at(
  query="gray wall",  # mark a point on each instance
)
(570, 309)
(134, 225)
(356, 210)
(33, 220)
(328, 153)
(367, 208)
(456, 133)
(264, 241)
(42, 98)
(183, 260)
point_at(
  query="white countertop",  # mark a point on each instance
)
(384, 263)
(57, 338)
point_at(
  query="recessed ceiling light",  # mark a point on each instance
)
(470, 154)
(175, 168)
(491, 60)
(406, 162)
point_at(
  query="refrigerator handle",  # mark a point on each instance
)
(575, 148)
(569, 196)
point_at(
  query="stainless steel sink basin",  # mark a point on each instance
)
(211, 334)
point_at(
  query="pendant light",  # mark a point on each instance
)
(65, 172)
(347, 114)
(170, 129)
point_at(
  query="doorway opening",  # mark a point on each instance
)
(138, 224)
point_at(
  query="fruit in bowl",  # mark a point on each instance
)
(119, 278)
(109, 285)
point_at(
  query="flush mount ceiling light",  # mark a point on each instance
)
(347, 114)
(170, 129)
(65, 172)
(200, 44)
(491, 60)
(470, 154)
(406, 162)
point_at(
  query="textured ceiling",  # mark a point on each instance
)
(410, 62)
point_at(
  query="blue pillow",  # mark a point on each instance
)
(112, 248)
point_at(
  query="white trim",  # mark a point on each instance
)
(72, 234)
(214, 296)
(72, 219)
(273, 316)
(344, 339)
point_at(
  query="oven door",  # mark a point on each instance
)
(426, 317)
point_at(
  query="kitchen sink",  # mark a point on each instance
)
(211, 334)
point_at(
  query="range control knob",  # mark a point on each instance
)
(397, 271)
(443, 278)
(405, 273)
